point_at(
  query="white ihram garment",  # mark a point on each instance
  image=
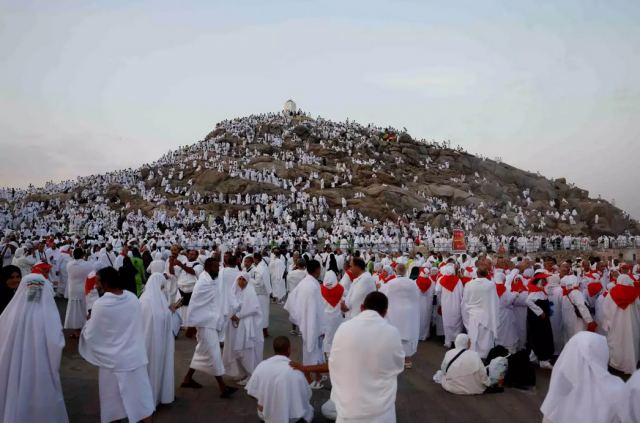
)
(205, 315)
(31, 343)
(113, 339)
(159, 339)
(244, 344)
(404, 311)
(76, 314)
(359, 289)
(365, 390)
(282, 391)
(581, 388)
(306, 310)
(480, 314)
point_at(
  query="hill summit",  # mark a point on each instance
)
(320, 170)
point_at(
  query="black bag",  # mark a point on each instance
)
(521, 372)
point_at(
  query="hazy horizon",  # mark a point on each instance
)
(93, 87)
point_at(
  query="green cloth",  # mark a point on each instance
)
(139, 265)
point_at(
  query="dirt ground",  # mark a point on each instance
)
(419, 398)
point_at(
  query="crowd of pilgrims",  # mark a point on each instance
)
(293, 208)
(499, 316)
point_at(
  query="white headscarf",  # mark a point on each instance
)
(448, 269)
(330, 279)
(569, 281)
(581, 387)
(159, 338)
(462, 341)
(31, 343)
(629, 408)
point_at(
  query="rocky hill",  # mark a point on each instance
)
(382, 173)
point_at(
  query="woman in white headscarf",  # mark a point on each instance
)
(332, 293)
(244, 342)
(159, 340)
(581, 387)
(31, 343)
(462, 371)
(23, 260)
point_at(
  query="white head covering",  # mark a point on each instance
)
(569, 281)
(624, 279)
(157, 323)
(19, 253)
(462, 341)
(499, 278)
(448, 269)
(629, 408)
(156, 266)
(31, 343)
(581, 388)
(330, 279)
(528, 273)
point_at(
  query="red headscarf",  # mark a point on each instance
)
(40, 268)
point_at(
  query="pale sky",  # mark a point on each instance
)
(88, 87)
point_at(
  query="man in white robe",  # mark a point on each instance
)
(365, 390)
(621, 322)
(404, 310)
(306, 310)
(77, 272)
(297, 274)
(31, 343)
(581, 388)
(426, 286)
(261, 279)
(462, 371)
(507, 334)
(573, 303)
(277, 269)
(113, 339)
(245, 344)
(361, 286)
(480, 312)
(450, 290)
(205, 315)
(159, 339)
(283, 393)
(190, 270)
(228, 274)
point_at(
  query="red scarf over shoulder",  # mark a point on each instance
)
(333, 295)
(449, 281)
(423, 282)
(623, 295)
